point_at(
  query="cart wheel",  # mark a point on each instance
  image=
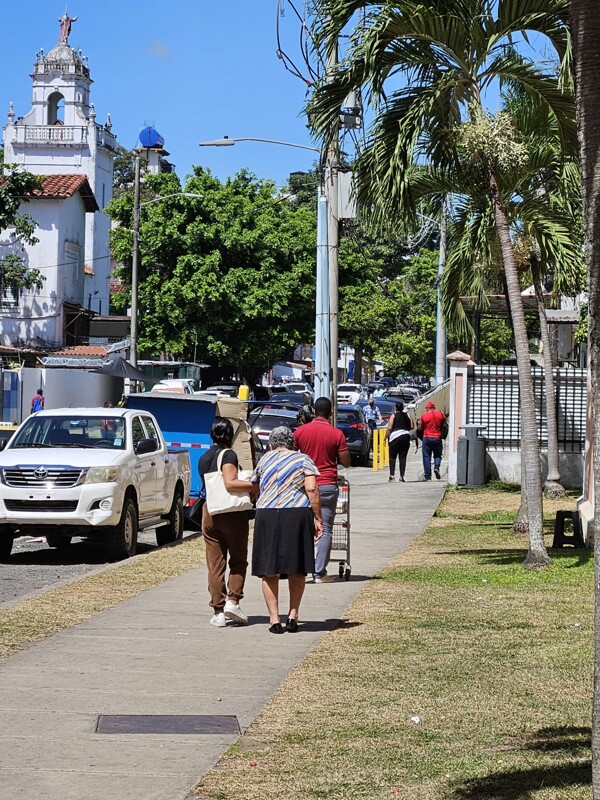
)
(341, 570)
(347, 573)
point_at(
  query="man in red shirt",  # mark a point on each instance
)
(431, 425)
(326, 446)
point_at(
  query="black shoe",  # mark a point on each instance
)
(391, 479)
(291, 625)
(436, 472)
(277, 627)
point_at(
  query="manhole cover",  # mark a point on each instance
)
(168, 724)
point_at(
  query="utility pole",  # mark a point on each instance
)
(440, 335)
(135, 260)
(331, 191)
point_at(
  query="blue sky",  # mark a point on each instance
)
(196, 69)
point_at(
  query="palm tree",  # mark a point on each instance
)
(425, 69)
(585, 20)
(543, 204)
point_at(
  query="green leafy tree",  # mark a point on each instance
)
(16, 230)
(228, 275)
(424, 68)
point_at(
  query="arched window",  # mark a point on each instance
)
(55, 108)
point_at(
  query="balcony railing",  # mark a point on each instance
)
(42, 134)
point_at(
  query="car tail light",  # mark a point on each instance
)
(359, 426)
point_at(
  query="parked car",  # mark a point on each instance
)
(175, 385)
(291, 386)
(263, 420)
(92, 472)
(6, 431)
(388, 380)
(296, 398)
(351, 421)
(346, 390)
(261, 393)
(230, 389)
(401, 393)
(372, 386)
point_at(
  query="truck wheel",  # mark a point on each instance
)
(58, 541)
(6, 543)
(120, 541)
(174, 530)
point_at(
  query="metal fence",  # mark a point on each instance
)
(494, 402)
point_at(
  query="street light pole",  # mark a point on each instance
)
(135, 260)
(440, 328)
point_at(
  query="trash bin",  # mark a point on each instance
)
(470, 457)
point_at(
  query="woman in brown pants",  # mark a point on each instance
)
(225, 535)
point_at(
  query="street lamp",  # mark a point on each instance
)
(133, 337)
(323, 297)
(440, 328)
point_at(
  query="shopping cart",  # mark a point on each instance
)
(340, 539)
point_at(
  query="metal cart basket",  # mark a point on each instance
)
(340, 539)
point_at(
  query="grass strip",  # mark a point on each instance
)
(457, 675)
(36, 618)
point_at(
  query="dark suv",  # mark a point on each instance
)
(351, 422)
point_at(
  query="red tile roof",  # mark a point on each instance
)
(82, 350)
(62, 186)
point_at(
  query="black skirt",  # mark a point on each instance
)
(284, 542)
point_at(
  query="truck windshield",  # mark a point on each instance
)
(108, 432)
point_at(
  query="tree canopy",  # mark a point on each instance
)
(227, 275)
(16, 229)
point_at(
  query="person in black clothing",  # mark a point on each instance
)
(398, 435)
(225, 535)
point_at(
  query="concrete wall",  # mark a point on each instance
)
(505, 465)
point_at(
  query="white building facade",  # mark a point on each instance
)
(60, 139)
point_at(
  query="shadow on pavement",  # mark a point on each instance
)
(80, 552)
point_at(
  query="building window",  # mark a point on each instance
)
(9, 293)
(55, 109)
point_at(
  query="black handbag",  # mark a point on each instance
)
(193, 515)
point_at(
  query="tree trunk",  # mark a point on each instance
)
(521, 523)
(537, 555)
(358, 359)
(585, 22)
(552, 485)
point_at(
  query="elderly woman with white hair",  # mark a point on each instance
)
(288, 520)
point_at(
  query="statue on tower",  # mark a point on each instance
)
(65, 27)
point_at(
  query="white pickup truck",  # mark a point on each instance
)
(91, 472)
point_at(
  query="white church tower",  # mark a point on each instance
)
(60, 136)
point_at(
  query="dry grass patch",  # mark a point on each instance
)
(57, 609)
(458, 675)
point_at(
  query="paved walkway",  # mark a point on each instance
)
(156, 654)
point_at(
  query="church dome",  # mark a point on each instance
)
(62, 58)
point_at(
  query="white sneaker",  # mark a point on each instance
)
(323, 579)
(235, 613)
(218, 620)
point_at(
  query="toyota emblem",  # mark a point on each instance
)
(40, 473)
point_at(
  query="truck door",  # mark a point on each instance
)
(162, 489)
(145, 468)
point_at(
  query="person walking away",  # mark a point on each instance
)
(326, 446)
(225, 535)
(431, 426)
(38, 401)
(288, 520)
(372, 413)
(398, 435)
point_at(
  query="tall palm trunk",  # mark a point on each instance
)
(585, 21)
(552, 485)
(537, 555)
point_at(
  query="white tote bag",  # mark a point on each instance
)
(218, 499)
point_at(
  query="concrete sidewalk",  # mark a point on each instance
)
(156, 655)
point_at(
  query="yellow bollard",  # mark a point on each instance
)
(375, 450)
(386, 449)
(244, 392)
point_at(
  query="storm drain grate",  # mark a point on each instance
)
(168, 724)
